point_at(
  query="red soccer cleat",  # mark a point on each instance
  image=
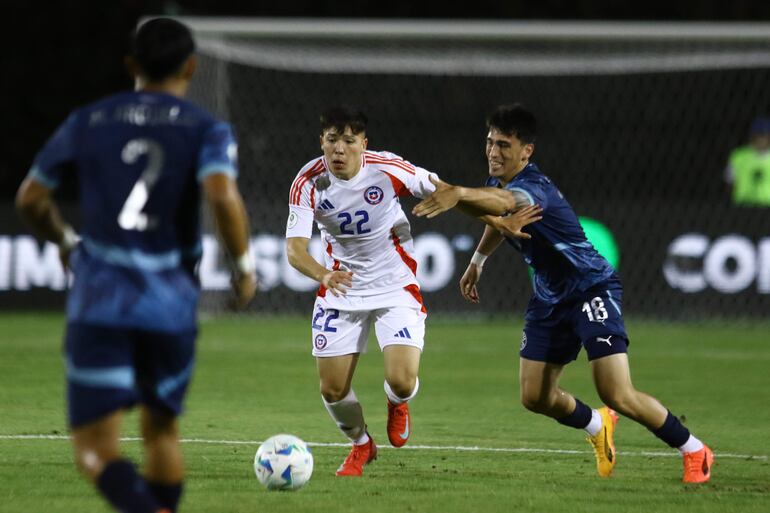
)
(359, 456)
(399, 424)
(697, 465)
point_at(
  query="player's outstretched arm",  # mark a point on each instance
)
(481, 200)
(226, 205)
(511, 225)
(36, 207)
(337, 282)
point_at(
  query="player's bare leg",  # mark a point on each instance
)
(540, 393)
(164, 464)
(336, 374)
(612, 377)
(539, 389)
(97, 444)
(97, 455)
(402, 363)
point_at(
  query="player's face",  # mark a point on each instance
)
(343, 151)
(506, 154)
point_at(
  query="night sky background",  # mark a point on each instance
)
(57, 55)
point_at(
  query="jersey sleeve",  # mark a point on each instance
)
(219, 152)
(302, 202)
(56, 156)
(421, 184)
(405, 176)
(532, 191)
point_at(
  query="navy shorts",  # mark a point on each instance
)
(592, 319)
(110, 368)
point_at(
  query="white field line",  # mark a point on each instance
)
(652, 454)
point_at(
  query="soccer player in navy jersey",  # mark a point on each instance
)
(141, 160)
(577, 297)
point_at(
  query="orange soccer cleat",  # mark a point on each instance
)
(697, 465)
(399, 424)
(604, 446)
(359, 456)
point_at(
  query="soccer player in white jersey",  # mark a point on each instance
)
(368, 277)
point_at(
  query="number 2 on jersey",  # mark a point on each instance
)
(131, 216)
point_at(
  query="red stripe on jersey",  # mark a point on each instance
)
(299, 182)
(400, 163)
(312, 197)
(296, 193)
(398, 186)
(315, 167)
(410, 262)
(335, 267)
(414, 290)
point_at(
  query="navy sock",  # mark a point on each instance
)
(168, 495)
(578, 418)
(672, 432)
(125, 489)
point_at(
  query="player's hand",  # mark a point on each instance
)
(468, 283)
(244, 288)
(443, 198)
(68, 243)
(64, 257)
(337, 282)
(511, 225)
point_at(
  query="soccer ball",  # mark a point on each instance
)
(283, 462)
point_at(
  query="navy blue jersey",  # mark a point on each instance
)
(563, 260)
(138, 158)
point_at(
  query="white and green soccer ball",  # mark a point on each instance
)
(283, 462)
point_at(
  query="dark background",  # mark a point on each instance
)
(642, 152)
(57, 55)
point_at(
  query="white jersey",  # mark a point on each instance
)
(363, 228)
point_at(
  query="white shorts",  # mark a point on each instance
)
(341, 324)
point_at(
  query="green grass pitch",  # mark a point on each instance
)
(255, 378)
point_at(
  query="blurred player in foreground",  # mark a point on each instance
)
(368, 277)
(141, 160)
(577, 298)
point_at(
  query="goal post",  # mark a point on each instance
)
(637, 121)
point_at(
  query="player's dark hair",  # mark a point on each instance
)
(160, 47)
(516, 120)
(340, 117)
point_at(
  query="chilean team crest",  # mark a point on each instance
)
(373, 195)
(320, 341)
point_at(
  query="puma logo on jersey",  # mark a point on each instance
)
(607, 340)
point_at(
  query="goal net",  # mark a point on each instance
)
(637, 122)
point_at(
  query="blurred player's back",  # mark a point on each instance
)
(136, 161)
(142, 160)
(139, 157)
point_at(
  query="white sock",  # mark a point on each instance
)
(691, 445)
(393, 398)
(349, 416)
(595, 424)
